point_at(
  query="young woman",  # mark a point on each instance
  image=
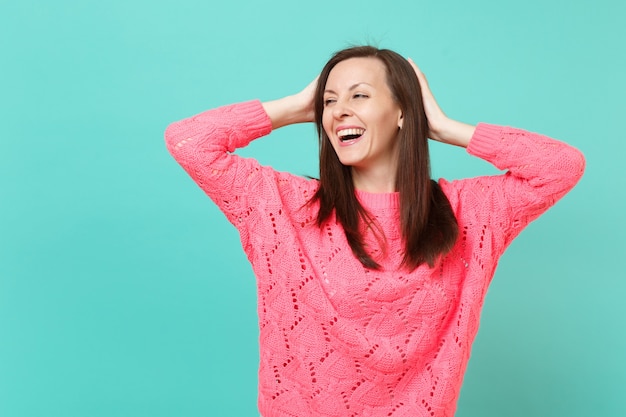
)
(370, 279)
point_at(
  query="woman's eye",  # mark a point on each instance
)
(329, 101)
(360, 95)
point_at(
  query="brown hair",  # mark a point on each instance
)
(429, 228)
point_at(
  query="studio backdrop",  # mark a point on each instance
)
(125, 292)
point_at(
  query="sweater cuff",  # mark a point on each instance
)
(486, 141)
(254, 121)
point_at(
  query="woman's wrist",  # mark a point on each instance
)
(289, 110)
(281, 112)
(453, 132)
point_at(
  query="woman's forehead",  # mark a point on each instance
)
(352, 71)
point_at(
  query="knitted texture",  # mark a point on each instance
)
(337, 339)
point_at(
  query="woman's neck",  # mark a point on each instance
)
(373, 181)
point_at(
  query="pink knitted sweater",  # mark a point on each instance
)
(337, 339)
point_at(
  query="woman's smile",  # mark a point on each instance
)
(349, 135)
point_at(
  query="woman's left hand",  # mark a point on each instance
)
(440, 127)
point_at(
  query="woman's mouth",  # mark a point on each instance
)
(349, 134)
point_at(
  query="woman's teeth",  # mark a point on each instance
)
(350, 134)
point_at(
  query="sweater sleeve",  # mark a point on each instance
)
(241, 187)
(540, 171)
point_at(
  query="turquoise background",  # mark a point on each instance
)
(124, 291)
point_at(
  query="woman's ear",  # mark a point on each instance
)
(400, 121)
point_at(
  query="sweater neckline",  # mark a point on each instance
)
(378, 200)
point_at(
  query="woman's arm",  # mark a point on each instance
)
(540, 170)
(204, 144)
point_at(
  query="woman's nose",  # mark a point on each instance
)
(341, 109)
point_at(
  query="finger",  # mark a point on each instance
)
(420, 75)
(417, 70)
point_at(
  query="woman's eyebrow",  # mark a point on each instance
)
(352, 87)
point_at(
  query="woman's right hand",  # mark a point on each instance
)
(297, 108)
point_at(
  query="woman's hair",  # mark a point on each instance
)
(429, 228)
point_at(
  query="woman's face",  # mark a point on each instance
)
(361, 117)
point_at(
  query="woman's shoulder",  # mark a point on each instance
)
(469, 196)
